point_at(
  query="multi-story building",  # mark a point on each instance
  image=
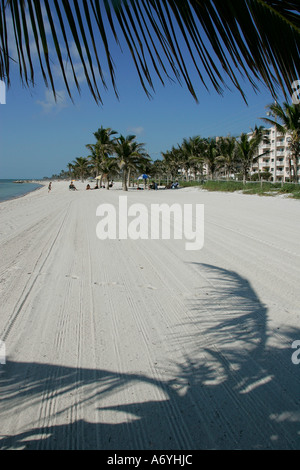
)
(275, 160)
(276, 156)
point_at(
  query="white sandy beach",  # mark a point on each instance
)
(140, 344)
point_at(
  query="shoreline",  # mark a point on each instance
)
(193, 188)
(25, 194)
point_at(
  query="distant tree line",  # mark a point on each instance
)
(196, 158)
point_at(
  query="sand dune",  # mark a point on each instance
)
(141, 344)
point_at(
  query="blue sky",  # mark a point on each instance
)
(39, 137)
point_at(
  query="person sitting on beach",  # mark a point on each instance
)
(175, 185)
(72, 187)
(88, 186)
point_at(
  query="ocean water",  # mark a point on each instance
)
(11, 190)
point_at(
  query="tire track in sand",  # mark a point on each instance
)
(39, 265)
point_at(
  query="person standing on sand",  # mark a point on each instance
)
(49, 187)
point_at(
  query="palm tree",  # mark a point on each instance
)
(159, 170)
(70, 169)
(193, 150)
(73, 170)
(81, 167)
(130, 155)
(228, 40)
(95, 159)
(247, 150)
(289, 117)
(185, 155)
(109, 169)
(227, 154)
(211, 155)
(173, 162)
(101, 150)
(146, 168)
(104, 139)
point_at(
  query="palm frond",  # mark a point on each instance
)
(221, 40)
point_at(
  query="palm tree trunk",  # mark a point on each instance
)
(290, 170)
(295, 164)
(125, 188)
(128, 178)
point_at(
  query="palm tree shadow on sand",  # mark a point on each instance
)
(232, 390)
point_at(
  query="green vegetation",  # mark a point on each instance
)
(262, 189)
(199, 158)
(111, 157)
(226, 163)
(289, 121)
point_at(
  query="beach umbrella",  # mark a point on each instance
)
(143, 177)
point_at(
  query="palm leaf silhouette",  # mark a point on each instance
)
(221, 40)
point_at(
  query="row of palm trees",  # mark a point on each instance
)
(213, 157)
(111, 156)
(225, 156)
